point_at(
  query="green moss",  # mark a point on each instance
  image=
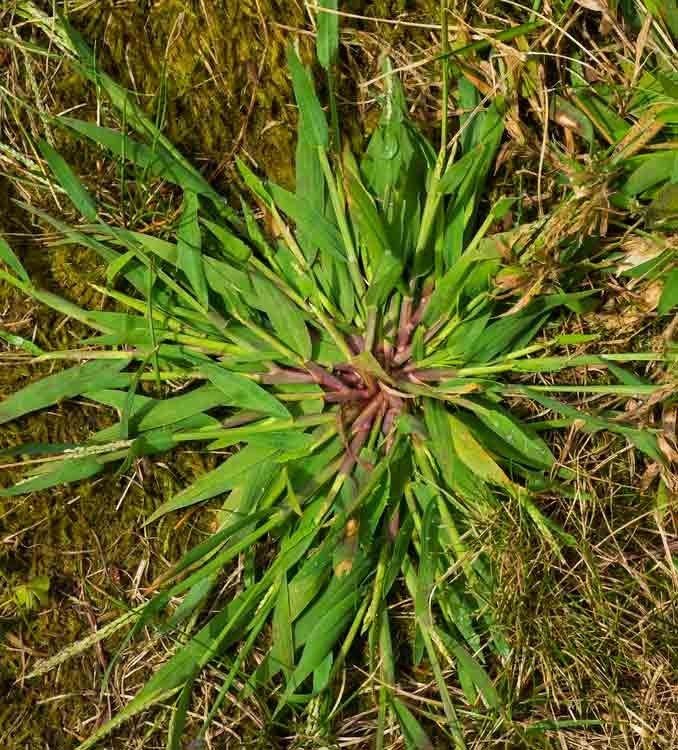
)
(213, 72)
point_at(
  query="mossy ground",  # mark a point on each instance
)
(595, 632)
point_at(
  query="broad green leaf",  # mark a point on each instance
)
(75, 190)
(456, 473)
(196, 596)
(607, 120)
(289, 445)
(310, 222)
(323, 637)
(652, 170)
(669, 298)
(310, 186)
(479, 677)
(450, 286)
(386, 277)
(327, 43)
(243, 392)
(62, 385)
(61, 472)
(20, 342)
(254, 183)
(282, 650)
(148, 414)
(285, 316)
(365, 215)
(189, 248)
(414, 734)
(308, 582)
(512, 432)
(234, 247)
(225, 477)
(312, 118)
(472, 453)
(118, 266)
(663, 211)
(512, 332)
(458, 172)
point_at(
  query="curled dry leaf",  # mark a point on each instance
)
(650, 295)
(599, 6)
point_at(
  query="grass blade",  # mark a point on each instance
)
(62, 385)
(189, 248)
(75, 190)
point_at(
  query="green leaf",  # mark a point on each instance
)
(450, 286)
(501, 336)
(118, 266)
(233, 245)
(512, 432)
(313, 122)
(455, 472)
(154, 159)
(413, 733)
(134, 115)
(669, 298)
(177, 722)
(149, 414)
(386, 277)
(384, 263)
(474, 671)
(644, 440)
(189, 248)
(21, 343)
(472, 453)
(652, 170)
(310, 222)
(180, 669)
(243, 392)
(254, 183)
(365, 215)
(327, 42)
(229, 475)
(324, 635)
(282, 650)
(66, 384)
(32, 595)
(61, 472)
(7, 256)
(75, 190)
(285, 316)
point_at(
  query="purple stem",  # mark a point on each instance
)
(366, 417)
(348, 394)
(405, 324)
(421, 307)
(352, 452)
(439, 373)
(324, 378)
(278, 375)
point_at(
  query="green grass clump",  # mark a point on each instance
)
(371, 355)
